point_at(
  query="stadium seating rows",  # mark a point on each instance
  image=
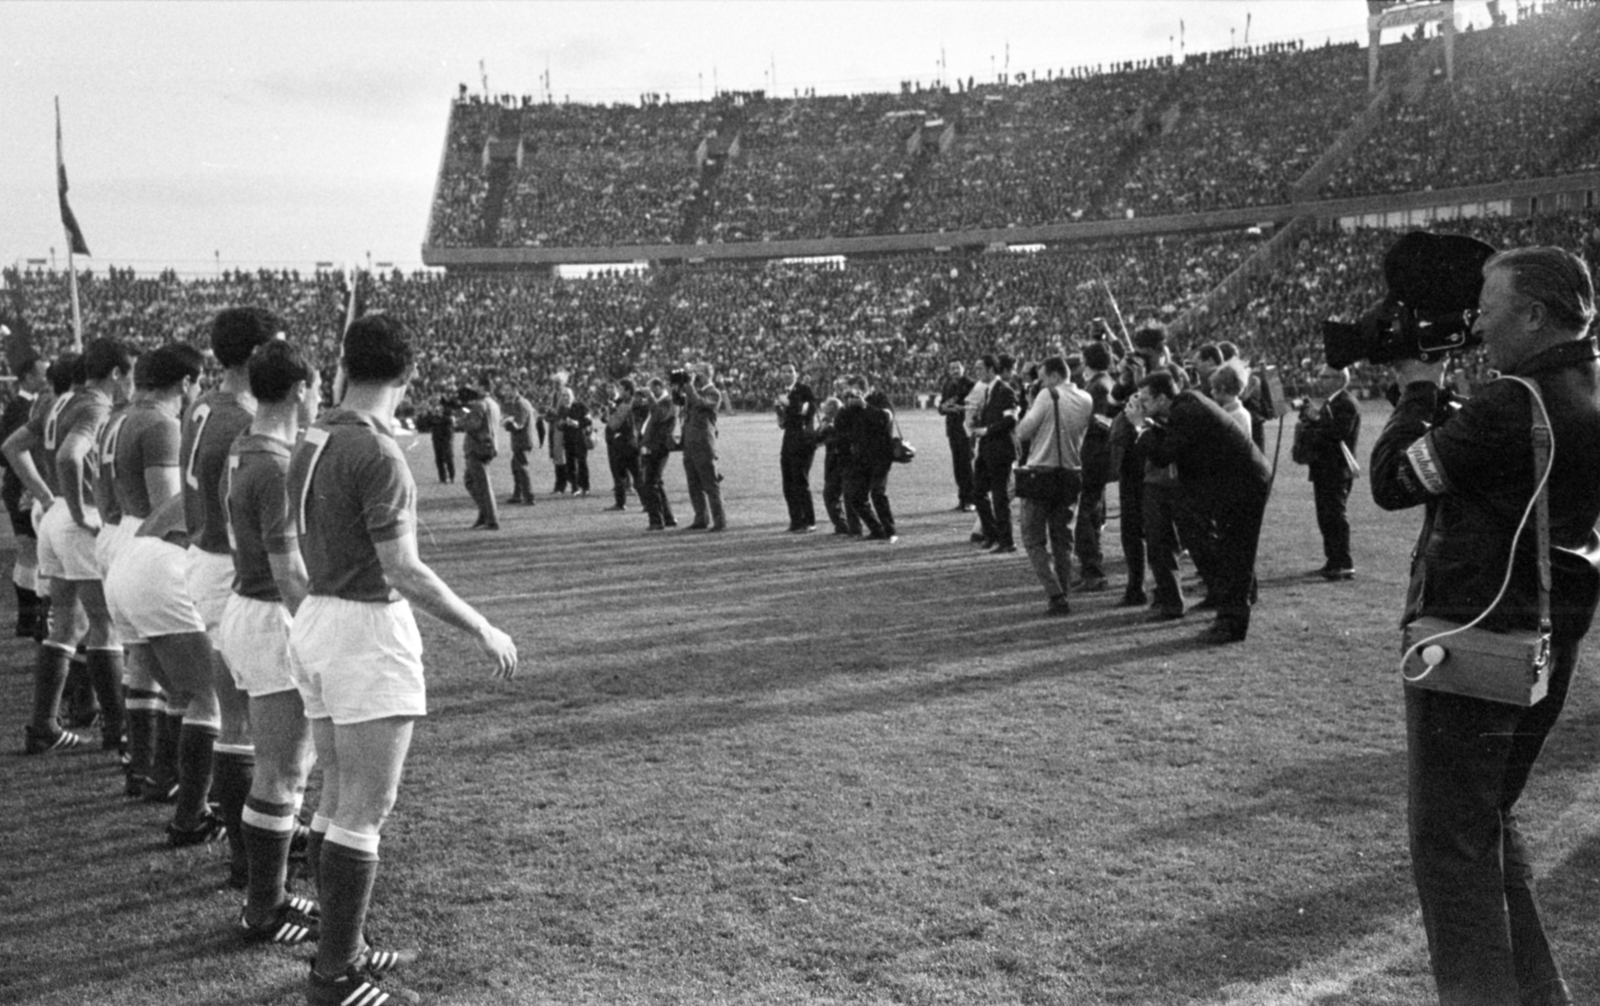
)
(1158, 139)
(897, 319)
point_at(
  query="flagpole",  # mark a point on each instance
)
(72, 239)
(77, 312)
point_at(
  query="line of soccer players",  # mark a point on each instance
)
(239, 575)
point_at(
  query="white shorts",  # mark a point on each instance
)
(255, 645)
(356, 661)
(110, 539)
(150, 583)
(210, 586)
(66, 551)
(108, 545)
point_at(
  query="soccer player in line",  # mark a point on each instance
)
(209, 429)
(269, 584)
(140, 452)
(356, 649)
(67, 554)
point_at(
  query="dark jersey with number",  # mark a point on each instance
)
(256, 491)
(209, 429)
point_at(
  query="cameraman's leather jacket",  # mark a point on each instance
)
(1474, 472)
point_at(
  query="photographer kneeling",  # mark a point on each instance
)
(1474, 471)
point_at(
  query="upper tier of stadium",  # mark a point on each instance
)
(1269, 127)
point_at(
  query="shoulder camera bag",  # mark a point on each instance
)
(1044, 484)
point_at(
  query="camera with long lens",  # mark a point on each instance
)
(1433, 282)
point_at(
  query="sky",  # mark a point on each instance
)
(200, 135)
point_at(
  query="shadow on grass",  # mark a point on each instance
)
(1249, 943)
(720, 712)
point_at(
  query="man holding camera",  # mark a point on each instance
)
(1473, 470)
(656, 435)
(701, 400)
(1325, 442)
(1224, 482)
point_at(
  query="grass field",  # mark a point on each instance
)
(768, 768)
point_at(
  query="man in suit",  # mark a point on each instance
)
(1098, 383)
(655, 444)
(519, 418)
(796, 408)
(622, 446)
(701, 400)
(953, 406)
(1325, 441)
(1224, 478)
(996, 452)
(481, 424)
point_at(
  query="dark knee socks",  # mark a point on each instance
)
(349, 866)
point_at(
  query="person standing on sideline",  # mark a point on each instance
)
(953, 407)
(1473, 472)
(656, 436)
(701, 401)
(1097, 473)
(1053, 433)
(519, 419)
(796, 407)
(1325, 442)
(355, 647)
(442, 431)
(1222, 476)
(622, 446)
(481, 423)
(997, 450)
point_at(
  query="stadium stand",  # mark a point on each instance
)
(1157, 139)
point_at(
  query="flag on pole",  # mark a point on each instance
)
(70, 222)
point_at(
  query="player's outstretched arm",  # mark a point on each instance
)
(420, 585)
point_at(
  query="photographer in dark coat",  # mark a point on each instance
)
(1473, 471)
(1223, 478)
(953, 407)
(1325, 441)
(997, 450)
(866, 425)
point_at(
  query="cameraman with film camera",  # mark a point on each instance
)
(1474, 467)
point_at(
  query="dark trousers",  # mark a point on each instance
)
(1233, 514)
(794, 464)
(1331, 496)
(961, 462)
(476, 479)
(654, 492)
(992, 483)
(625, 467)
(521, 485)
(833, 491)
(1197, 532)
(1130, 499)
(578, 470)
(1468, 761)
(444, 458)
(866, 500)
(1161, 504)
(1086, 532)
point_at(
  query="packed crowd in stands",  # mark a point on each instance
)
(896, 318)
(1153, 138)
(1525, 103)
